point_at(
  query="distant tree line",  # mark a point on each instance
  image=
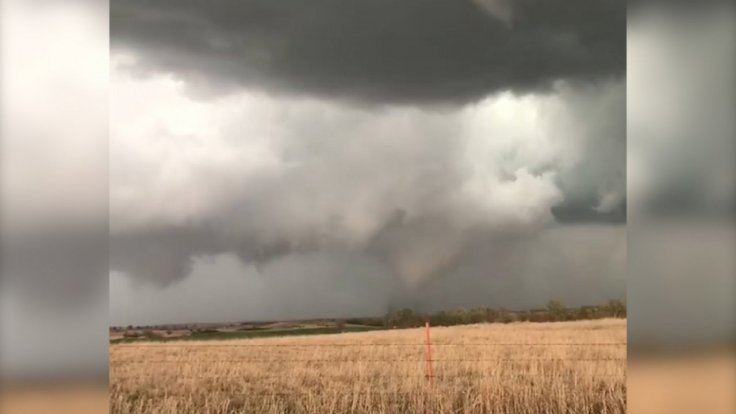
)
(555, 311)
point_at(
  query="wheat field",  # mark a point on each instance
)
(564, 367)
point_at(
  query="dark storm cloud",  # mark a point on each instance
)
(409, 51)
(595, 187)
(324, 184)
(412, 189)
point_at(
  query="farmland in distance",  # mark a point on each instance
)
(523, 367)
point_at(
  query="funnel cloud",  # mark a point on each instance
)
(274, 160)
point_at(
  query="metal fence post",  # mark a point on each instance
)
(430, 373)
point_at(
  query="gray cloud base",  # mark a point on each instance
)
(412, 51)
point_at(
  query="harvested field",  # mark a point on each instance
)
(565, 367)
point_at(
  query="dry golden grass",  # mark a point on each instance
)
(486, 368)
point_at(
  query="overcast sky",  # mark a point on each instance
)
(276, 160)
(270, 161)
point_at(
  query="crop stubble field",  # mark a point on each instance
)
(563, 367)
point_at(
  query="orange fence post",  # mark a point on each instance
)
(430, 374)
